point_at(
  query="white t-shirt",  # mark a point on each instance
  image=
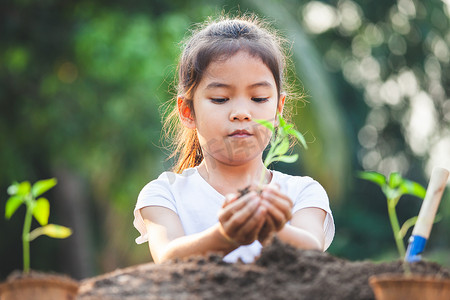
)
(197, 204)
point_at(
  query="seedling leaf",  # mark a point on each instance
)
(42, 186)
(282, 148)
(288, 127)
(57, 231)
(265, 123)
(23, 188)
(374, 177)
(395, 179)
(286, 159)
(282, 121)
(12, 205)
(298, 136)
(51, 230)
(412, 188)
(41, 211)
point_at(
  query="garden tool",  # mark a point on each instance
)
(425, 220)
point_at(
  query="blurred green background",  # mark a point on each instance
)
(83, 86)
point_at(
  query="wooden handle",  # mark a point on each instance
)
(436, 186)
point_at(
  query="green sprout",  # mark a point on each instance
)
(394, 188)
(280, 144)
(24, 193)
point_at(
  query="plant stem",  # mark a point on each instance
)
(26, 240)
(396, 228)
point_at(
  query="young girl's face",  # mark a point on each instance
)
(231, 94)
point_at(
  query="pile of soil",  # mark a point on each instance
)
(281, 272)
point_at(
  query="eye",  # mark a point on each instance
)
(219, 100)
(258, 99)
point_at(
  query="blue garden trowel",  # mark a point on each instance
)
(425, 220)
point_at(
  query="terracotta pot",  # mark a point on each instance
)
(49, 287)
(397, 286)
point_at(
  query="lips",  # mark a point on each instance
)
(240, 133)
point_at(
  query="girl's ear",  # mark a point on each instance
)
(280, 107)
(281, 103)
(185, 113)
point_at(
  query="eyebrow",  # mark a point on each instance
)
(214, 85)
(262, 84)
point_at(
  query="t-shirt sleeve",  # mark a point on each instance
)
(155, 193)
(312, 194)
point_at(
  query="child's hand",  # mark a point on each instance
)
(266, 231)
(278, 207)
(241, 218)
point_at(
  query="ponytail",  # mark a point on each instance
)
(191, 154)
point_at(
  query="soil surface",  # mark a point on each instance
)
(281, 272)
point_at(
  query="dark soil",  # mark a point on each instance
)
(281, 272)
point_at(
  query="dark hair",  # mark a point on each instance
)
(219, 40)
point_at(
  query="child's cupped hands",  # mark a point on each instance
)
(242, 218)
(254, 215)
(279, 211)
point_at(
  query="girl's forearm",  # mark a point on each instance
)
(208, 241)
(300, 238)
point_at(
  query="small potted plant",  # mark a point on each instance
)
(34, 285)
(409, 285)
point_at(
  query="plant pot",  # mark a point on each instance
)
(49, 287)
(398, 286)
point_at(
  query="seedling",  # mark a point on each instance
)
(24, 193)
(280, 144)
(394, 188)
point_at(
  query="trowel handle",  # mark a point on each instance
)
(436, 186)
(430, 204)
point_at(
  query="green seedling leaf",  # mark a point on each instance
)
(373, 176)
(298, 136)
(288, 127)
(41, 211)
(12, 205)
(265, 123)
(42, 186)
(286, 159)
(412, 188)
(57, 231)
(51, 230)
(23, 188)
(282, 121)
(395, 179)
(282, 148)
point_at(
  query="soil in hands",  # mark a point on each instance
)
(281, 272)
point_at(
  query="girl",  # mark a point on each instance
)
(230, 73)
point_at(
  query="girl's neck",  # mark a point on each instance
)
(229, 179)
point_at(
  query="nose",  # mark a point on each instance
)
(240, 113)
